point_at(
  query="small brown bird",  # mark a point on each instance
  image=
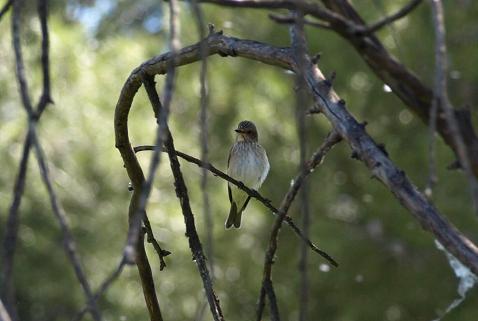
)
(247, 163)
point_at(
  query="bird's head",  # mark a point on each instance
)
(246, 131)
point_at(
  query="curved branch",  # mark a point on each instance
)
(342, 17)
(343, 122)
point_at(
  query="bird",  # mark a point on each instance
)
(247, 163)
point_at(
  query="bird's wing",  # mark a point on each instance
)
(267, 167)
(228, 186)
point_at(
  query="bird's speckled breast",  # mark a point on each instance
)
(248, 163)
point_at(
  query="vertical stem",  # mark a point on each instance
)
(304, 200)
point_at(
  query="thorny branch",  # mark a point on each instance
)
(341, 16)
(411, 90)
(353, 132)
(252, 193)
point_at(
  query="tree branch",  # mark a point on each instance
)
(182, 194)
(343, 19)
(404, 83)
(5, 8)
(252, 193)
(103, 288)
(203, 125)
(68, 242)
(441, 98)
(299, 45)
(392, 18)
(11, 232)
(289, 197)
(345, 124)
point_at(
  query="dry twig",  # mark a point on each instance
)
(308, 168)
(32, 140)
(182, 194)
(252, 193)
(441, 97)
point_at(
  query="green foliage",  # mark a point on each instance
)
(389, 267)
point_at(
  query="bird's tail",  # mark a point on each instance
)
(234, 217)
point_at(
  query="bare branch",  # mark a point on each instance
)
(103, 288)
(289, 197)
(352, 131)
(182, 194)
(203, 125)
(5, 8)
(162, 118)
(11, 232)
(406, 85)
(252, 193)
(299, 45)
(151, 239)
(290, 19)
(68, 242)
(441, 96)
(392, 18)
(45, 97)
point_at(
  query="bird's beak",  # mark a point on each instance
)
(239, 131)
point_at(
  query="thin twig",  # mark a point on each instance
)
(252, 193)
(441, 94)
(203, 140)
(432, 171)
(5, 8)
(353, 132)
(299, 46)
(11, 231)
(289, 197)
(68, 242)
(103, 288)
(203, 125)
(45, 97)
(392, 18)
(288, 19)
(182, 194)
(151, 239)
(142, 187)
